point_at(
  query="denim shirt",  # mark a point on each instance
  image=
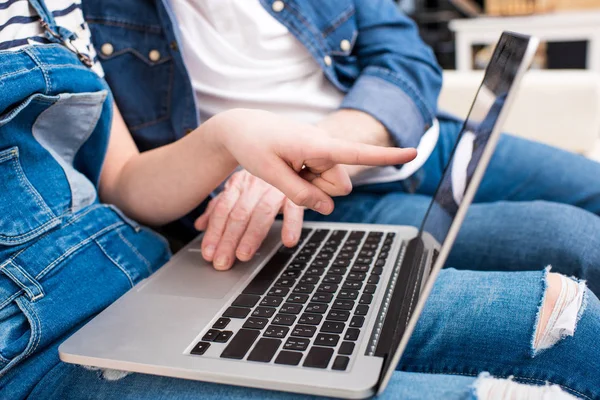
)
(387, 71)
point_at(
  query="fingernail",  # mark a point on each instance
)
(244, 249)
(221, 262)
(209, 251)
(321, 207)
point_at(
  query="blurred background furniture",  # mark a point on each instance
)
(561, 108)
(580, 26)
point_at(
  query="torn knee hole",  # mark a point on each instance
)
(559, 312)
(490, 388)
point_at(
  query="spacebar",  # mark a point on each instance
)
(240, 344)
(262, 281)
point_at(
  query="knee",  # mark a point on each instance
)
(487, 387)
(559, 311)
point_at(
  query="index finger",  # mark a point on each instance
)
(353, 153)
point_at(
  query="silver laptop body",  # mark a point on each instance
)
(330, 317)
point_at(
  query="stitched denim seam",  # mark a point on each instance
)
(133, 248)
(124, 24)
(345, 16)
(18, 282)
(139, 55)
(316, 33)
(443, 372)
(29, 187)
(73, 249)
(17, 72)
(31, 280)
(36, 331)
(115, 262)
(43, 70)
(10, 299)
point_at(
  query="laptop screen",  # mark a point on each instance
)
(482, 118)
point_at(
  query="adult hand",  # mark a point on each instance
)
(301, 160)
(237, 221)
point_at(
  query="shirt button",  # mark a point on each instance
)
(107, 49)
(277, 5)
(327, 60)
(154, 55)
(345, 45)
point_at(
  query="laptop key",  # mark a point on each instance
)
(342, 262)
(357, 321)
(356, 276)
(362, 309)
(264, 350)
(377, 271)
(288, 358)
(337, 271)
(309, 279)
(380, 262)
(299, 344)
(271, 301)
(348, 294)
(246, 300)
(318, 357)
(340, 363)
(211, 335)
(236, 312)
(255, 323)
(221, 323)
(298, 298)
(310, 319)
(200, 348)
(353, 285)
(240, 344)
(304, 288)
(328, 288)
(352, 334)
(289, 308)
(333, 327)
(370, 289)
(304, 331)
(320, 263)
(322, 297)
(291, 273)
(284, 319)
(224, 337)
(266, 312)
(285, 282)
(278, 332)
(319, 308)
(365, 299)
(279, 292)
(329, 278)
(341, 304)
(360, 268)
(324, 339)
(315, 271)
(346, 348)
(262, 281)
(338, 315)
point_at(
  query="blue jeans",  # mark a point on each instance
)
(537, 206)
(473, 322)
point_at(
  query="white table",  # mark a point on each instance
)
(560, 26)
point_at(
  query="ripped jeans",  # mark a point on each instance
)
(474, 323)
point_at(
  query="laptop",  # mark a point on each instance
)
(331, 316)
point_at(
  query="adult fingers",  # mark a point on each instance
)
(260, 223)
(297, 189)
(334, 181)
(201, 222)
(217, 220)
(237, 223)
(292, 223)
(353, 153)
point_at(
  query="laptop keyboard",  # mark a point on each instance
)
(307, 304)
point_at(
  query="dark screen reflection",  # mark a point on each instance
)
(473, 139)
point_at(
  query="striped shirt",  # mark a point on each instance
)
(20, 26)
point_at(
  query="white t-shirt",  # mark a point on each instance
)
(238, 55)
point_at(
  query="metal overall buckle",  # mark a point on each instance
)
(84, 58)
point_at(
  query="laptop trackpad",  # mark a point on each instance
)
(188, 275)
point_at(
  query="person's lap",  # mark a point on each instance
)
(536, 206)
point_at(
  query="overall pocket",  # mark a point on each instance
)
(23, 212)
(19, 333)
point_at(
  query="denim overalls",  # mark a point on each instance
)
(64, 256)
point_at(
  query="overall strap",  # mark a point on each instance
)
(55, 33)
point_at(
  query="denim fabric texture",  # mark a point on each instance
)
(387, 72)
